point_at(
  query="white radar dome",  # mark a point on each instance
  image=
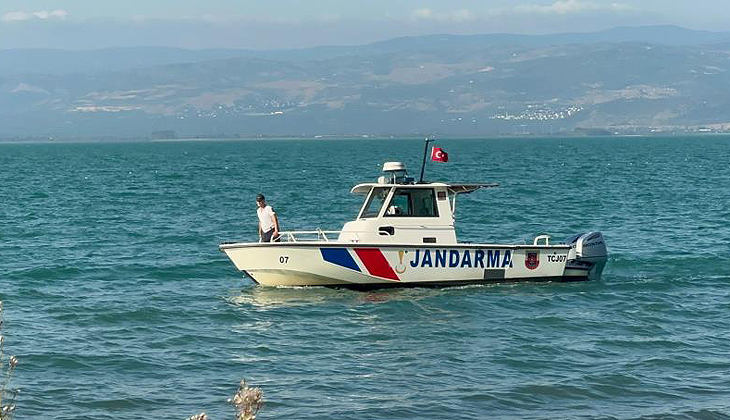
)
(394, 167)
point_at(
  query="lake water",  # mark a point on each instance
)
(120, 305)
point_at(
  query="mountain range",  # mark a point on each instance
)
(623, 80)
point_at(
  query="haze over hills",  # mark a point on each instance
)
(623, 80)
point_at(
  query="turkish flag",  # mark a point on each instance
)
(438, 155)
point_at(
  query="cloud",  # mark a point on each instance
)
(564, 7)
(42, 15)
(424, 13)
(231, 19)
(461, 15)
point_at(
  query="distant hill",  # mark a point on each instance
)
(660, 78)
(48, 61)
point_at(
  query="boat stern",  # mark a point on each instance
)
(588, 255)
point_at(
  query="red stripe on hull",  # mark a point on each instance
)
(376, 263)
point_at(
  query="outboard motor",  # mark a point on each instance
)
(588, 251)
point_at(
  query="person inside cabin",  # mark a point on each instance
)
(268, 222)
(394, 211)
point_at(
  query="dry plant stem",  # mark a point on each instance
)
(8, 405)
(247, 401)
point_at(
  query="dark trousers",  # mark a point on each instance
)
(267, 236)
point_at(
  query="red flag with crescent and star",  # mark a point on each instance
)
(438, 155)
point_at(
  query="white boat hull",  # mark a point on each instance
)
(374, 266)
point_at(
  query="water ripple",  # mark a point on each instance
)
(121, 306)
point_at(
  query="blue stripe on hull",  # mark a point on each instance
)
(339, 256)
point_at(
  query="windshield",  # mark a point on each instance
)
(412, 202)
(375, 202)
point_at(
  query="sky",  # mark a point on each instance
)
(280, 24)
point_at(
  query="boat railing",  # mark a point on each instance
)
(544, 238)
(317, 235)
(320, 235)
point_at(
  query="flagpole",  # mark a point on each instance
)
(423, 165)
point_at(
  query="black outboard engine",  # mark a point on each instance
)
(587, 252)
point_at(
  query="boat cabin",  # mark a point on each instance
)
(398, 210)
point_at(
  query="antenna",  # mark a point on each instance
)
(423, 165)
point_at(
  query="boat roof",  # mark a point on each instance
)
(455, 188)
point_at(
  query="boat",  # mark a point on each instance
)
(404, 236)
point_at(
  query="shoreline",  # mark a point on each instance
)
(103, 139)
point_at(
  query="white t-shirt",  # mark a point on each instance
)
(266, 218)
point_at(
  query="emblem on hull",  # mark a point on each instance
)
(532, 259)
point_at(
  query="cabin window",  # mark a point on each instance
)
(412, 202)
(375, 202)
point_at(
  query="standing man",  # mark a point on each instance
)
(268, 222)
